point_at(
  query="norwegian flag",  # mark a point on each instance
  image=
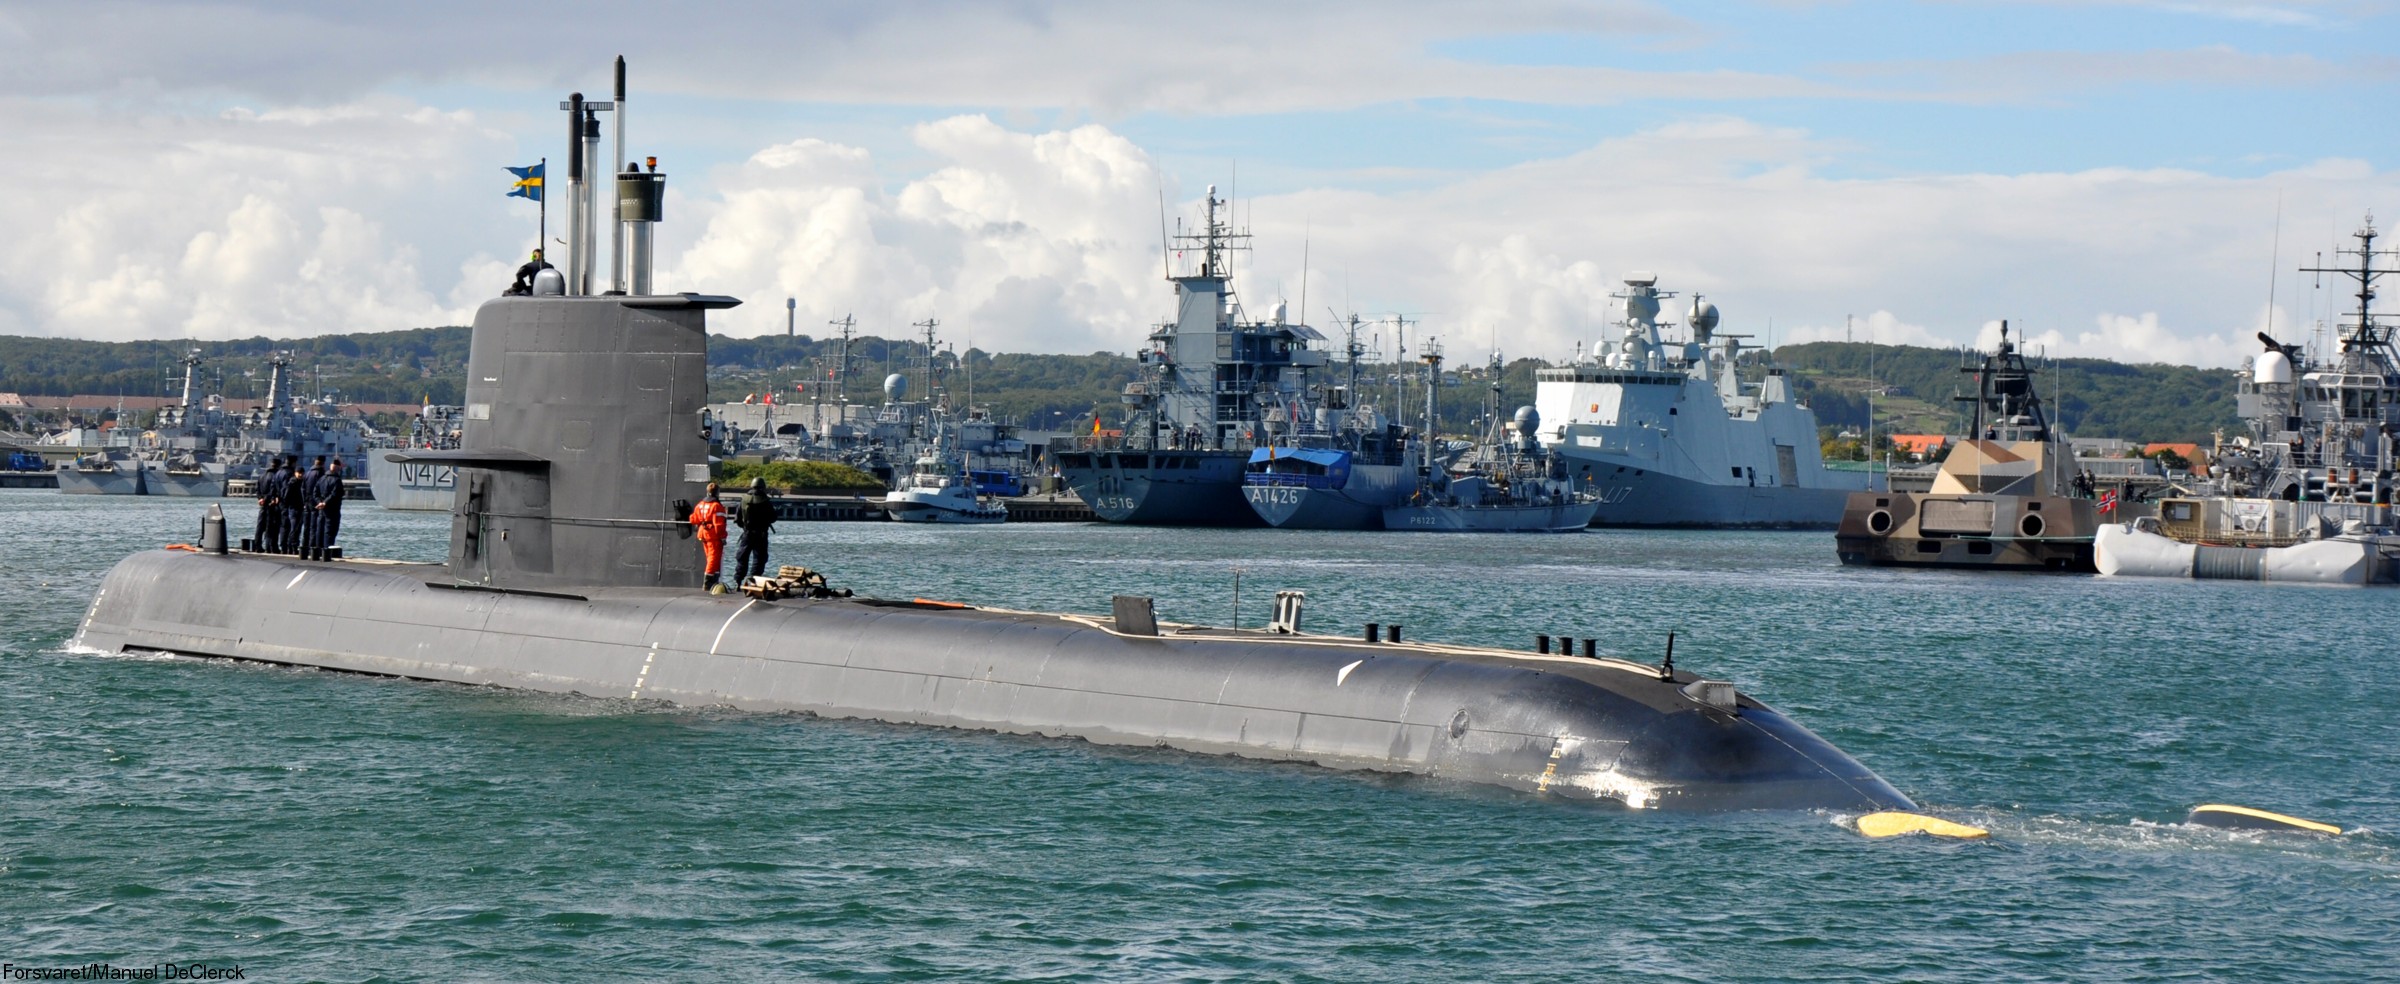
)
(2108, 501)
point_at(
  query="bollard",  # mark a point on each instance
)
(1591, 649)
(1374, 632)
(1541, 644)
(1392, 633)
(212, 530)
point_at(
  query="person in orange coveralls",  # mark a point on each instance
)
(708, 520)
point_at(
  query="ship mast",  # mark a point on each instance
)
(2367, 337)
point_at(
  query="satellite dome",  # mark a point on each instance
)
(1703, 316)
(895, 387)
(1641, 308)
(2271, 367)
(1528, 420)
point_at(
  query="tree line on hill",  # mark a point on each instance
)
(1911, 387)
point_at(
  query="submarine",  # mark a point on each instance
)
(571, 570)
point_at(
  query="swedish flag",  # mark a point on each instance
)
(529, 182)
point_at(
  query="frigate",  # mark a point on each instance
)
(571, 570)
(1669, 434)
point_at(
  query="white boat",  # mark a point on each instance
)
(935, 494)
(938, 491)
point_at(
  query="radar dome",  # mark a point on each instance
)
(1641, 308)
(2271, 367)
(1703, 316)
(1528, 420)
(895, 387)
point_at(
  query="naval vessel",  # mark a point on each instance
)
(1212, 383)
(571, 570)
(2007, 498)
(1669, 434)
(1507, 486)
(2307, 494)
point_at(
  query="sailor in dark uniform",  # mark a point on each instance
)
(269, 532)
(303, 508)
(292, 491)
(329, 507)
(755, 515)
(523, 285)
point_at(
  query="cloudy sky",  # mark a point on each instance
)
(2124, 179)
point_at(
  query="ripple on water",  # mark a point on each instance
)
(324, 826)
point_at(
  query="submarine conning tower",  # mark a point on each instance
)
(581, 451)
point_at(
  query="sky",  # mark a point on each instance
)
(2140, 180)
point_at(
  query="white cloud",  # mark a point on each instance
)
(1027, 241)
(361, 216)
(237, 223)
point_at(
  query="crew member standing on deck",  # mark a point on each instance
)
(311, 486)
(755, 515)
(295, 492)
(708, 520)
(329, 508)
(270, 509)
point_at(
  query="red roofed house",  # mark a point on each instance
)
(1921, 446)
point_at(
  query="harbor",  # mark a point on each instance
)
(1502, 494)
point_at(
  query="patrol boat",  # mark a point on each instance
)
(2005, 499)
(1668, 434)
(1508, 487)
(569, 571)
(1210, 384)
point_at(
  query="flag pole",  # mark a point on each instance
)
(542, 236)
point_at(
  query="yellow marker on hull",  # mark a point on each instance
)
(2244, 818)
(1889, 824)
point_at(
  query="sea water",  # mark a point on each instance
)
(306, 825)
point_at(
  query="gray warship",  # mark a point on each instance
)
(197, 446)
(1668, 433)
(1211, 384)
(570, 570)
(1509, 486)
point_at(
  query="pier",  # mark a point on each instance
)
(1061, 508)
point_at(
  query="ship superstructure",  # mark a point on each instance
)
(2323, 428)
(1667, 433)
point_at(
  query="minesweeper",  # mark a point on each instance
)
(571, 571)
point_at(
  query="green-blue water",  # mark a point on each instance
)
(315, 826)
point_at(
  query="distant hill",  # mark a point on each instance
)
(2093, 397)
(2087, 397)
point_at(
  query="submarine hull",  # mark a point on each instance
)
(1580, 728)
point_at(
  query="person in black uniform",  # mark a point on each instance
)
(291, 492)
(303, 500)
(270, 510)
(329, 508)
(523, 285)
(756, 515)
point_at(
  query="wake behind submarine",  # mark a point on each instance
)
(570, 571)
